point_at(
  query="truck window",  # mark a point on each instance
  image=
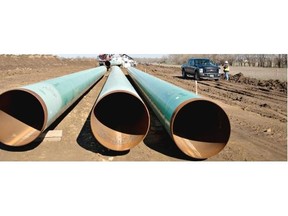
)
(191, 62)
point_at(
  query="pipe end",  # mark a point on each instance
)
(22, 117)
(200, 128)
(120, 121)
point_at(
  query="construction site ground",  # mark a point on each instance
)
(256, 107)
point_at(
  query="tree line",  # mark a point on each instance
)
(252, 60)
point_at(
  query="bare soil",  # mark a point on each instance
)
(257, 109)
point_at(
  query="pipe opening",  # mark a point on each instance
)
(120, 121)
(107, 64)
(21, 117)
(200, 128)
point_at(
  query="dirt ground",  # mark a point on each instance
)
(257, 110)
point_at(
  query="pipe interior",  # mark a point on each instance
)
(20, 113)
(201, 128)
(120, 121)
(122, 112)
(107, 64)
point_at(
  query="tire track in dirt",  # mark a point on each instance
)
(263, 101)
(249, 98)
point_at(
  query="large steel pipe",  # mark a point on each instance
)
(119, 119)
(200, 128)
(27, 111)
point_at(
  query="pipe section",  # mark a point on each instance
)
(119, 119)
(200, 128)
(27, 111)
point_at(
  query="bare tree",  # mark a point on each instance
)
(281, 60)
(254, 60)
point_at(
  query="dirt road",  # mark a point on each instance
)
(257, 110)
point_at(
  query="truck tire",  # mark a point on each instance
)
(184, 73)
(196, 76)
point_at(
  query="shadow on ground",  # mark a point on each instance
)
(87, 141)
(187, 78)
(159, 140)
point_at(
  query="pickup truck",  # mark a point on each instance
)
(201, 68)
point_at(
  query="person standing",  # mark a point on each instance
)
(226, 70)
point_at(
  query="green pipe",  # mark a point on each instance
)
(119, 119)
(27, 111)
(199, 127)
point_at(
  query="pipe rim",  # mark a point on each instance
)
(200, 148)
(121, 144)
(13, 131)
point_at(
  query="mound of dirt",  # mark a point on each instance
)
(12, 62)
(266, 84)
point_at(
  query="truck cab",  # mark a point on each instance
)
(201, 68)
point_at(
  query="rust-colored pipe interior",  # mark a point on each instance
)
(200, 128)
(21, 117)
(120, 121)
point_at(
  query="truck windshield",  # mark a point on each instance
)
(203, 61)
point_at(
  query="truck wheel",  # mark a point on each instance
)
(196, 76)
(184, 74)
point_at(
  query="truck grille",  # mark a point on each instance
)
(211, 70)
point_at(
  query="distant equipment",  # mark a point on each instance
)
(121, 60)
